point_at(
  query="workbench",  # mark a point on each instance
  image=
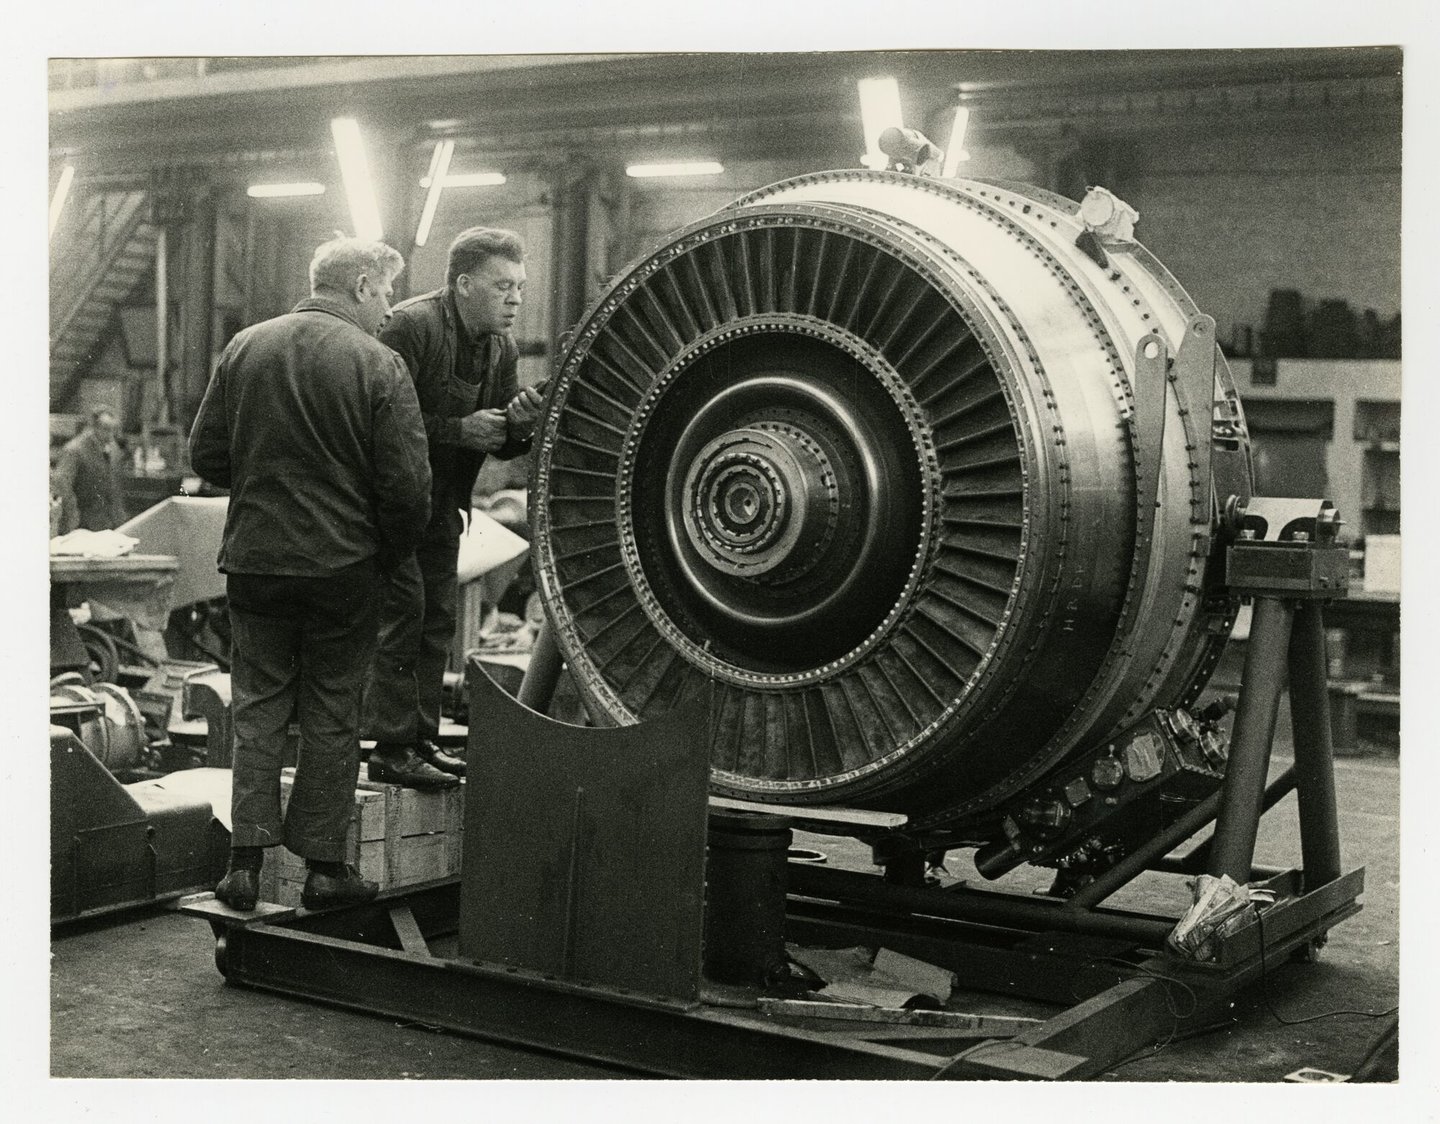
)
(137, 587)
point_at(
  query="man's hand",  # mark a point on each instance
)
(523, 411)
(483, 431)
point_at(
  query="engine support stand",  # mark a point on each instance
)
(575, 924)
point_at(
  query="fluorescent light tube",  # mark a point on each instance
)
(355, 172)
(469, 179)
(62, 192)
(879, 109)
(683, 168)
(955, 150)
(439, 165)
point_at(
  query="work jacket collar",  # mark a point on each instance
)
(454, 324)
(331, 305)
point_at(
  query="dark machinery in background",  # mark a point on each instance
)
(913, 510)
(140, 741)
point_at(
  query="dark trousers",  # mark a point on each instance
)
(299, 651)
(417, 628)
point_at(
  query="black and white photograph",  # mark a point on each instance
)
(596, 557)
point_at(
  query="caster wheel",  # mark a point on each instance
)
(1308, 952)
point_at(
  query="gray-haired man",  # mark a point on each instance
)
(313, 425)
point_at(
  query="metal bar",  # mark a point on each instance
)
(804, 812)
(521, 1008)
(162, 320)
(1173, 865)
(1151, 384)
(1195, 389)
(1314, 753)
(978, 906)
(1193, 861)
(1060, 968)
(1145, 857)
(1261, 681)
(1081, 1042)
(980, 1026)
(542, 673)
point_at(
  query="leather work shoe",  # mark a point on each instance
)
(239, 889)
(410, 771)
(428, 751)
(323, 891)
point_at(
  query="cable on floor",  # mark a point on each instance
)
(1270, 1005)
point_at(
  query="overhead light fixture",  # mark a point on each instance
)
(682, 168)
(468, 179)
(283, 190)
(355, 172)
(879, 109)
(435, 181)
(955, 150)
(62, 192)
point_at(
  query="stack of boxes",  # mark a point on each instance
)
(397, 837)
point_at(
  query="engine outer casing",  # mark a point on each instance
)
(953, 380)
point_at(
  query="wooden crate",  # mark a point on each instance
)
(397, 837)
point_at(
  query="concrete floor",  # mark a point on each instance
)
(137, 995)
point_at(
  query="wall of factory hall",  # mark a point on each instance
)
(1234, 215)
(1233, 211)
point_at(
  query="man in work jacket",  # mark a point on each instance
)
(313, 425)
(457, 344)
(88, 469)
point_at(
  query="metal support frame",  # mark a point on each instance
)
(1263, 680)
(543, 958)
(1314, 753)
(390, 958)
(1287, 559)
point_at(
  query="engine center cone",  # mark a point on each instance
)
(759, 502)
(860, 453)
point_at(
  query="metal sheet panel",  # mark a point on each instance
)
(584, 853)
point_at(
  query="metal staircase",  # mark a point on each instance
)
(105, 257)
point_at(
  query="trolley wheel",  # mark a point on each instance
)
(1308, 952)
(220, 950)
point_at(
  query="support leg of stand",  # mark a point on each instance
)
(537, 689)
(906, 869)
(1314, 752)
(1196, 860)
(1233, 849)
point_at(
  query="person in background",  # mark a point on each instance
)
(89, 469)
(458, 345)
(313, 425)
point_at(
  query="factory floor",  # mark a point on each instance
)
(137, 995)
